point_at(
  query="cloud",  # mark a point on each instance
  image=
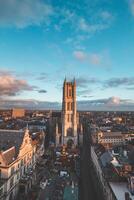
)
(29, 104)
(80, 55)
(84, 82)
(131, 5)
(106, 15)
(43, 76)
(116, 82)
(10, 86)
(82, 26)
(87, 96)
(95, 21)
(24, 13)
(106, 104)
(87, 82)
(84, 93)
(113, 101)
(42, 91)
(85, 26)
(130, 88)
(93, 58)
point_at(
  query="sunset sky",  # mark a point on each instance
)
(41, 42)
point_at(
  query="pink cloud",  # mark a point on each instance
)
(10, 86)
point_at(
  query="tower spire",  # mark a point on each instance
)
(74, 81)
(65, 80)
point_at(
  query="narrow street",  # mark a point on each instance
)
(87, 190)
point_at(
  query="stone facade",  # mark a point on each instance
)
(17, 163)
(69, 113)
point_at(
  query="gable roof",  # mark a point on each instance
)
(11, 138)
(8, 155)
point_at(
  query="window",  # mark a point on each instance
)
(68, 106)
(25, 160)
(70, 92)
(68, 117)
(11, 182)
(18, 176)
(12, 170)
(22, 162)
(1, 191)
(69, 132)
(71, 106)
(71, 118)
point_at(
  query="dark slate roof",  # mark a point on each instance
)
(10, 138)
(56, 114)
(9, 155)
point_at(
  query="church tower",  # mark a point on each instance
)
(69, 119)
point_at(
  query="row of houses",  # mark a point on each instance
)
(114, 172)
(18, 155)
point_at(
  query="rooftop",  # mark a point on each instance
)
(119, 189)
(11, 138)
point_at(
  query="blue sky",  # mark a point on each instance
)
(41, 42)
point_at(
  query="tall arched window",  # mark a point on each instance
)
(70, 92)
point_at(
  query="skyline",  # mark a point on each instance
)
(42, 42)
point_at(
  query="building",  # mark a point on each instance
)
(17, 163)
(131, 183)
(112, 184)
(18, 112)
(69, 113)
(38, 140)
(110, 139)
(66, 126)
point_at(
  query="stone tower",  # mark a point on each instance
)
(69, 119)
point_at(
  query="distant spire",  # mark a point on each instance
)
(27, 126)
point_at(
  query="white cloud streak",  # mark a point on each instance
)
(24, 13)
(92, 58)
(131, 5)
